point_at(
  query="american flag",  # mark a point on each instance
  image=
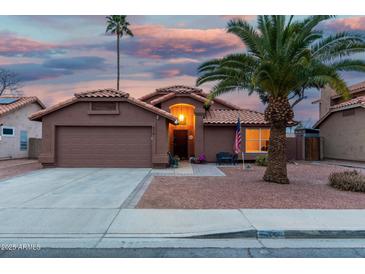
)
(237, 139)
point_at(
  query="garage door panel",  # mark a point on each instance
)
(104, 146)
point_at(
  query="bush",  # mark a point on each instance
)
(261, 160)
(348, 181)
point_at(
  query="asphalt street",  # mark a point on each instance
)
(187, 253)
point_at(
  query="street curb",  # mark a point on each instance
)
(285, 234)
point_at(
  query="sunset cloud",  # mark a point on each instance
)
(160, 42)
(56, 56)
(243, 17)
(13, 45)
(356, 23)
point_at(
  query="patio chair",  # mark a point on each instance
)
(173, 162)
(226, 157)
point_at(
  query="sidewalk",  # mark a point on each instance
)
(113, 227)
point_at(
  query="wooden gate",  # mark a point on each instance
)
(312, 149)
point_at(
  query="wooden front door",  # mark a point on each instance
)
(181, 143)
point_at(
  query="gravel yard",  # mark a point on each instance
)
(246, 189)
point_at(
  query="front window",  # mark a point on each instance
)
(257, 140)
(7, 131)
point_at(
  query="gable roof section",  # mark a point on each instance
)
(180, 90)
(19, 103)
(172, 95)
(352, 103)
(229, 117)
(102, 93)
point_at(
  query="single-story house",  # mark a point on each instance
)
(342, 124)
(110, 128)
(15, 127)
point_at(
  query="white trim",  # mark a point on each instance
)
(7, 135)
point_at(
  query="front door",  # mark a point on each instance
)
(181, 143)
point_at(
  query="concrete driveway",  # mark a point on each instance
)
(65, 200)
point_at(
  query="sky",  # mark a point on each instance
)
(56, 56)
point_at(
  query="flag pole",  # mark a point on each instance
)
(242, 152)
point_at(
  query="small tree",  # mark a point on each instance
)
(9, 82)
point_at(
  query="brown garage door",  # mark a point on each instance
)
(103, 146)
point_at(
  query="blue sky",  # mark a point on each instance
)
(56, 56)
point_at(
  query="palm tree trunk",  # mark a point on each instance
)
(278, 113)
(276, 168)
(118, 61)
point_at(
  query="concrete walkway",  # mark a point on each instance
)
(187, 169)
(111, 227)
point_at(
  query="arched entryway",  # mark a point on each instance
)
(182, 136)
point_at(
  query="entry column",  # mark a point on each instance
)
(199, 132)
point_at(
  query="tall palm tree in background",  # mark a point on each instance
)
(284, 58)
(118, 25)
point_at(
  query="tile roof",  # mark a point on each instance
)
(358, 101)
(172, 95)
(102, 93)
(353, 89)
(223, 116)
(223, 102)
(357, 87)
(19, 103)
(352, 103)
(180, 89)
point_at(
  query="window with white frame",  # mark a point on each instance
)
(257, 140)
(7, 131)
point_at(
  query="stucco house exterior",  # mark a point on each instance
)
(342, 124)
(15, 127)
(110, 128)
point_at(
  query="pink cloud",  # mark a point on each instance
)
(243, 17)
(356, 23)
(12, 45)
(156, 41)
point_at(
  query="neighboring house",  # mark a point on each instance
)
(342, 124)
(15, 127)
(109, 128)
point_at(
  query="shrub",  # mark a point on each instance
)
(261, 160)
(348, 181)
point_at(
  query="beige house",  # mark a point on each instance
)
(342, 124)
(16, 128)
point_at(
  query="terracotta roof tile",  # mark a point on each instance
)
(152, 108)
(223, 102)
(352, 102)
(19, 103)
(222, 116)
(172, 95)
(102, 93)
(180, 89)
(353, 89)
(357, 87)
(162, 98)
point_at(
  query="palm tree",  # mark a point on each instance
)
(118, 25)
(284, 58)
